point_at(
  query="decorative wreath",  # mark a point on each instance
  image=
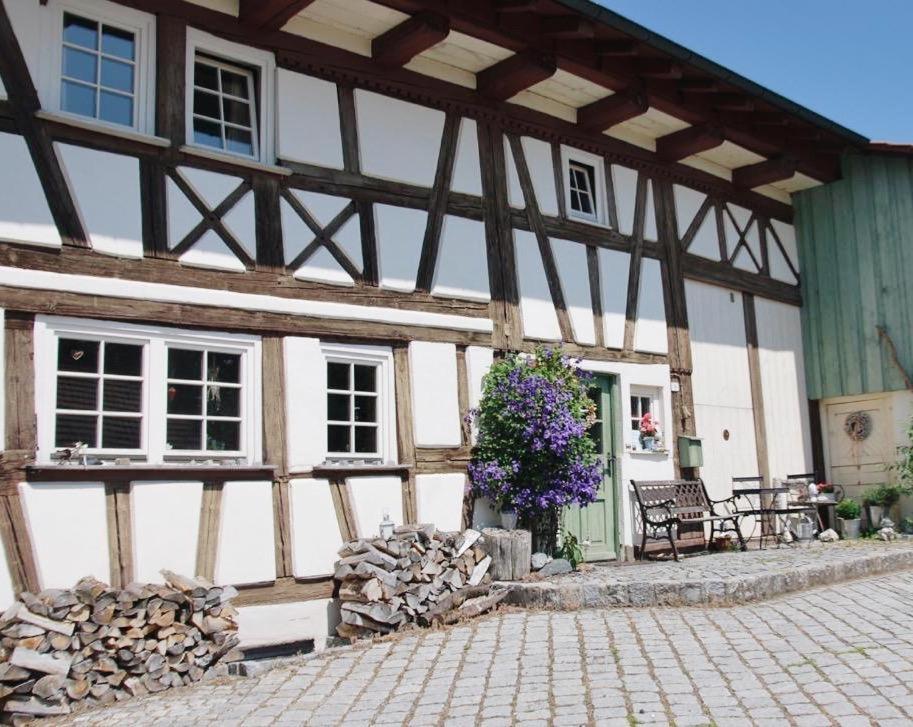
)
(858, 426)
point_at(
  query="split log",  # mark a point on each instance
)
(510, 552)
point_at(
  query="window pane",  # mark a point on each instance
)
(223, 401)
(77, 99)
(185, 399)
(116, 108)
(123, 359)
(365, 408)
(223, 436)
(366, 378)
(338, 438)
(120, 432)
(117, 42)
(122, 395)
(206, 104)
(237, 112)
(239, 141)
(72, 428)
(338, 407)
(366, 439)
(77, 393)
(635, 406)
(184, 364)
(585, 205)
(234, 84)
(225, 367)
(205, 76)
(184, 434)
(80, 65)
(117, 75)
(575, 200)
(338, 375)
(80, 31)
(644, 405)
(207, 133)
(76, 355)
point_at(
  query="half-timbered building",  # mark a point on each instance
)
(257, 257)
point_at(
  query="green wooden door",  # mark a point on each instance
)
(595, 525)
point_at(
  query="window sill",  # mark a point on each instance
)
(133, 473)
(341, 471)
(648, 452)
(124, 133)
(235, 159)
(586, 221)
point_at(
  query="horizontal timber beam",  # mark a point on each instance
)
(270, 14)
(507, 78)
(766, 172)
(606, 112)
(567, 26)
(402, 43)
(693, 140)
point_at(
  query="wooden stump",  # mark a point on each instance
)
(510, 552)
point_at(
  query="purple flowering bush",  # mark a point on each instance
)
(532, 452)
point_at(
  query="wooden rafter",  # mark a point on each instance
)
(517, 73)
(606, 112)
(567, 26)
(693, 140)
(766, 172)
(270, 14)
(616, 48)
(402, 43)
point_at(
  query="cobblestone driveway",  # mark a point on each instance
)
(840, 655)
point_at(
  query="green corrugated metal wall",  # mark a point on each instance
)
(855, 241)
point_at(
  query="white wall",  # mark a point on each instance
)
(778, 266)
(435, 400)
(688, 202)
(166, 524)
(650, 332)
(308, 120)
(24, 212)
(315, 528)
(69, 528)
(467, 175)
(537, 310)
(573, 271)
(440, 499)
(400, 234)
(288, 622)
(478, 361)
(539, 161)
(106, 190)
(246, 551)
(614, 267)
(625, 182)
(305, 401)
(371, 497)
(462, 262)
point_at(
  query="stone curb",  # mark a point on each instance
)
(570, 594)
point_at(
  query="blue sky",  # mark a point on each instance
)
(849, 60)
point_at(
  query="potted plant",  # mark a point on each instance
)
(880, 500)
(532, 452)
(826, 489)
(649, 431)
(848, 520)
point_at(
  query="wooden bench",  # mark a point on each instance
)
(666, 505)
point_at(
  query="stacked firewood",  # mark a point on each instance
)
(93, 644)
(420, 576)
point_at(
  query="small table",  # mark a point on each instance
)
(769, 509)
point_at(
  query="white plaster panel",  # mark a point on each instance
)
(743, 261)
(435, 402)
(68, 523)
(650, 216)
(25, 17)
(536, 307)
(210, 251)
(305, 401)
(241, 222)
(787, 235)
(324, 268)
(173, 546)
(246, 551)
(706, 241)
(105, 188)
(650, 331)
(462, 263)
(24, 212)
(573, 270)
(539, 161)
(514, 190)
(296, 235)
(753, 238)
(400, 234)
(182, 215)
(614, 268)
(783, 390)
(322, 207)
(726, 458)
(348, 238)
(624, 181)
(308, 120)
(279, 623)
(440, 500)
(3, 96)
(211, 187)
(467, 174)
(398, 140)
(687, 204)
(731, 233)
(478, 362)
(315, 528)
(371, 498)
(741, 215)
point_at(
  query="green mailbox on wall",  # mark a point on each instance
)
(690, 451)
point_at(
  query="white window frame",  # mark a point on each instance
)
(570, 156)
(655, 395)
(386, 408)
(51, 59)
(157, 340)
(263, 64)
(250, 75)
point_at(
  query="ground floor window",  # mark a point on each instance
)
(645, 409)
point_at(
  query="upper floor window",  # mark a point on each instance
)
(224, 106)
(585, 189)
(581, 185)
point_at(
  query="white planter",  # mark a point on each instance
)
(848, 529)
(875, 514)
(509, 520)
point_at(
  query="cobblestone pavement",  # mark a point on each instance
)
(841, 655)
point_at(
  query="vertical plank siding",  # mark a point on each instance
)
(856, 251)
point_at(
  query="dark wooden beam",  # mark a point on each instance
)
(402, 43)
(516, 6)
(698, 85)
(766, 172)
(270, 14)
(567, 26)
(620, 48)
(732, 102)
(170, 58)
(693, 140)
(517, 73)
(754, 375)
(657, 68)
(606, 112)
